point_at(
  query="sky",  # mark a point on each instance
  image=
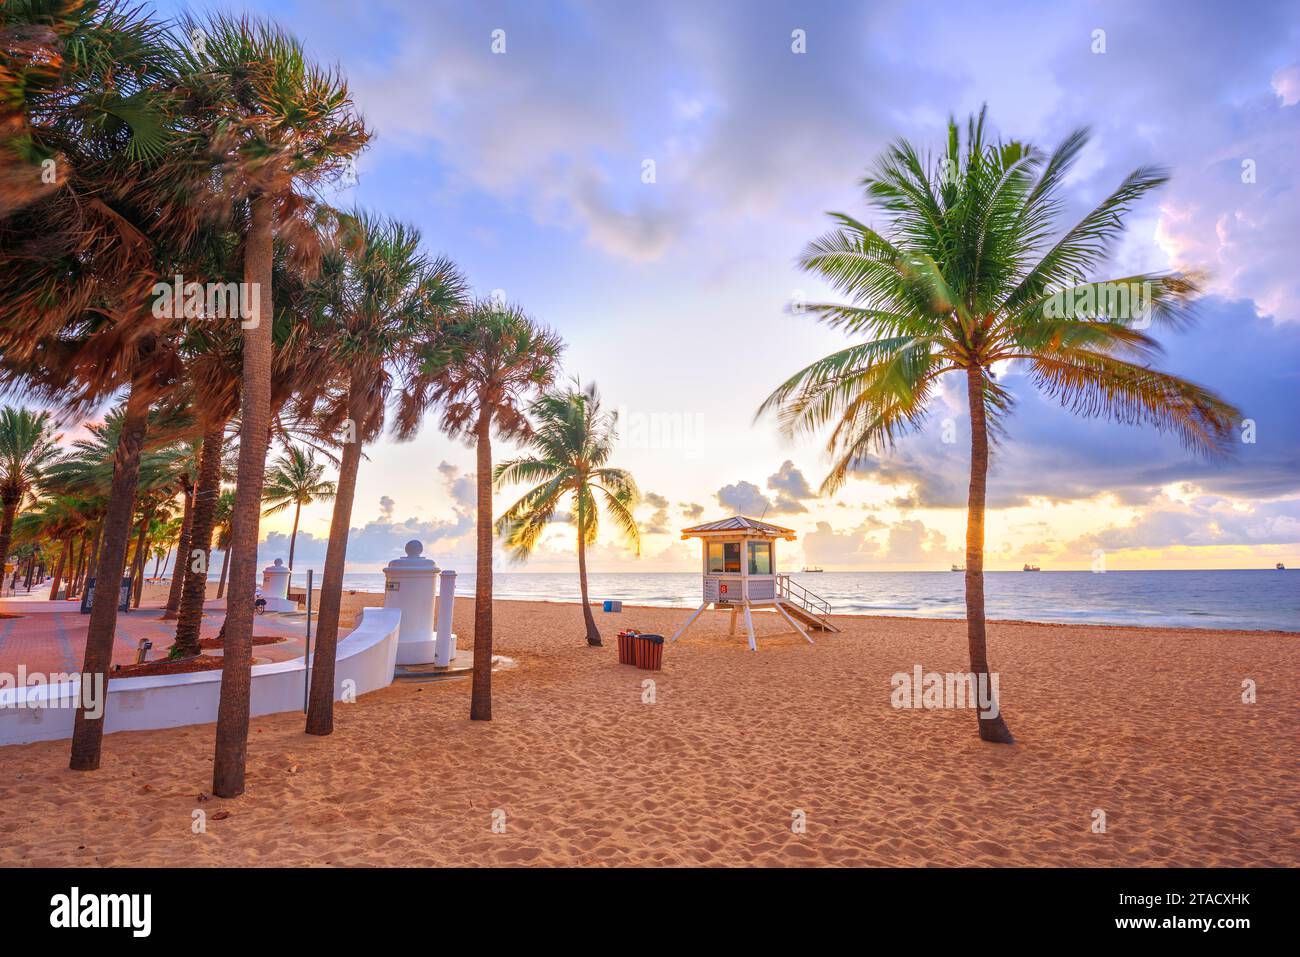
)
(642, 176)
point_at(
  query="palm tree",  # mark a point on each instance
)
(282, 124)
(27, 446)
(296, 479)
(572, 439)
(378, 296)
(97, 94)
(479, 370)
(971, 272)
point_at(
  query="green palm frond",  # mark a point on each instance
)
(1094, 384)
(969, 269)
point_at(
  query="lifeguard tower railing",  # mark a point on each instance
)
(791, 591)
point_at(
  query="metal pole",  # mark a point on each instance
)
(306, 658)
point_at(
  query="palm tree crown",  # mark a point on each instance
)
(28, 446)
(487, 360)
(295, 478)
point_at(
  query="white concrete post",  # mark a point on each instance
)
(408, 587)
(275, 587)
(446, 640)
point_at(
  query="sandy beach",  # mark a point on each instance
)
(1147, 725)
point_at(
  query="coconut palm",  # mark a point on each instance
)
(28, 445)
(971, 271)
(296, 479)
(571, 443)
(480, 370)
(282, 124)
(378, 296)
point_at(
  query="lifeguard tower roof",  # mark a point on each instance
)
(739, 523)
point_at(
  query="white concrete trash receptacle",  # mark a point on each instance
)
(409, 585)
(275, 587)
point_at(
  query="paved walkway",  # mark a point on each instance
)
(50, 636)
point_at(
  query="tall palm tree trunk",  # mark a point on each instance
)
(10, 505)
(480, 702)
(64, 549)
(79, 566)
(293, 536)
(225, 565)
(173, 605)
(195, 589)
(141, 556)
(994, 728)
(92, 563)
(320, 705)
(593, 633)
(87, 732)
(255, 414)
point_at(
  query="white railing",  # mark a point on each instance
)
(795, 593)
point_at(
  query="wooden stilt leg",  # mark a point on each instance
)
(733, 620)
(690, 621)
(785, 614)
(749, 627)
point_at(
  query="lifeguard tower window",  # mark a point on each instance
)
(760, 558)
(724, 558)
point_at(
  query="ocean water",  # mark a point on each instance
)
(1248, 599)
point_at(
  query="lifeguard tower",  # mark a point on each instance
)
(740, 574)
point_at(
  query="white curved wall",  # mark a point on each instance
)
(366, 657)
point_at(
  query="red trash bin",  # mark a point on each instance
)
(627, 647)
(649, 652)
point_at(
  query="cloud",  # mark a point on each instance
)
(836, 549)
(1208, 520)
(462, 487)
(791, 487)
(743, 498)
(692, 510)
(789, 484)
(875, 543)
(657, 524)
(386, 508)
(1286, 84)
